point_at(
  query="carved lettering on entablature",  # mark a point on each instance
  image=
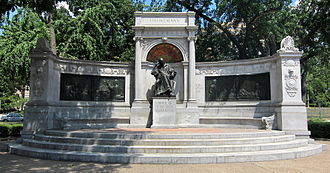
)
(204, 71)
(164, 21)
(72, 68)
(113, 71)
(233, 70)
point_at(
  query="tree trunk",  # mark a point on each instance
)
(303, 81)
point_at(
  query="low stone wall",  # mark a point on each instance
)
(48, 110)
(273, 88)
(254, 108)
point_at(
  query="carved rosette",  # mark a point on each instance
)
(291, 83)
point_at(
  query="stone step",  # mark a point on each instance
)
(75, 126)
(155, 135)
(95, 123)
(165, 158)
(164, 142)
(165, 149)
(231, 122)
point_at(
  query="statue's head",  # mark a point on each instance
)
(161, 61)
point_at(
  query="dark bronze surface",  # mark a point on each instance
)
(235, 88)
(92, 88)
(164, 75)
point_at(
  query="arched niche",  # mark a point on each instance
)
(168, 52)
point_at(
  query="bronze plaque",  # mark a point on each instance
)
(92, 88)
(240, 87)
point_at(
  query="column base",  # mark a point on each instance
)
(140, 114)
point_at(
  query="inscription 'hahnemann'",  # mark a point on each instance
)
(165, 20)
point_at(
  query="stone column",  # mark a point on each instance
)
(138, 68)
(140, 108)
(185, 80)
(192, 62)
(291, 111)
(39, 115)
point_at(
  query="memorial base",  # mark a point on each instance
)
(164, 112)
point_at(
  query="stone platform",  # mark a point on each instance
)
(168, 146)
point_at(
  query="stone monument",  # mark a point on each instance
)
(76, 94)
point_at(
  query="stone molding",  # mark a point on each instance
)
(92, 67)
(158, 19)
(236, 67)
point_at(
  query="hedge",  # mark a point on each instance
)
(10, 129)
(319, 129)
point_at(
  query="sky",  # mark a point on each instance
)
(65, 5)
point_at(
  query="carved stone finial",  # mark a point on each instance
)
(42, 46)
(287, 44)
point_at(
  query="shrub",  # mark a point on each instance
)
(10, 129)
(319, 129)
(317, 119)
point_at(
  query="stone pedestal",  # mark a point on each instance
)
(164, 112)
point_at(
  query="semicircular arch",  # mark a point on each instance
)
(157, 42)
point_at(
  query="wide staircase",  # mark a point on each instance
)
(166, 146)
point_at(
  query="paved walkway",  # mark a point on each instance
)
(314, 164)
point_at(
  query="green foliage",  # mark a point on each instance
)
(319, 129)
(10, 129)
(38, 6)
(19, 37)
(228, 29)
(317, 119)
(312, 34)
(12, 103)
(318, 81)
(237, 29)
(101, 30)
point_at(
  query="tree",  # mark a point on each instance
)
(313, 37)
(241, 22)
(100, 30)
(19, 36)
(44, 8)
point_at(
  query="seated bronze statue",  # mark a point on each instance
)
(164, 74)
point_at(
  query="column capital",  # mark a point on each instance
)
(192, 38)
